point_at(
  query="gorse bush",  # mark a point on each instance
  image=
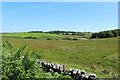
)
(14, 66)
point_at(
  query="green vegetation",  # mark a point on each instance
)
(52, 35)
(15, 66)
(73, 49)
(83, 34)
(35, 35)
(106, 34)
(98, 56)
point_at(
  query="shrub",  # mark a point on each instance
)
(14, 66)
(49, 39)
(106, 34)
(30, 37)
(67, 38)
(75, 39)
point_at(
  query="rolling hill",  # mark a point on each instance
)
(98, 56)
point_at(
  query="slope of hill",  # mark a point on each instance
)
(32, 35)
(47, 36)
(98, 56)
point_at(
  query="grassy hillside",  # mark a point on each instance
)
(38, 35)
(44, 35)
(99, 56)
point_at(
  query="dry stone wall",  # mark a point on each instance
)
(60, 68)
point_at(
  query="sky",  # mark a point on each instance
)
(67, 16)
(60, 0)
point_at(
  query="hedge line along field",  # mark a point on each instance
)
(99, 56)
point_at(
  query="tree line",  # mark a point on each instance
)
(66, 33)
(102, 34)
(61, 32)
(106, 34)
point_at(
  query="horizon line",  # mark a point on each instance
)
(55, 30)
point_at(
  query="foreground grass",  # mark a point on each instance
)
(96, 56)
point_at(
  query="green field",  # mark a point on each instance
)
(38, 35)
(98, 56)
(44, 36)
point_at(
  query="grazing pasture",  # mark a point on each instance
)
(37, 35)
(44, 36)
(98, 56)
